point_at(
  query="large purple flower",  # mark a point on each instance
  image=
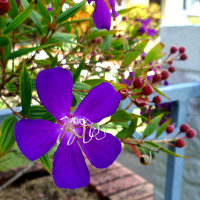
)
(74, 133)
(101, 15)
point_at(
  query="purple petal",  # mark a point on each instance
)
(102, 101)
(101, 15)
(69, 167)
(141, 30)
(126, 81)
(145, 22)
(112, 4)
(89, 1)
(131, 74)
(36, 137)
(54, 87)
(151, 32)
(101, 152)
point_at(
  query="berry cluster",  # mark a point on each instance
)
(184, 128)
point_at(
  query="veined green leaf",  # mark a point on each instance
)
(19, 19)
(43, 11)
(127, 10)
(151, 127)
(46, 162)
(4, 40)
(106, 42)
(121, 116)
(155, 53)
(133, 54)
(11, 87)
(167, 151)
(25, 51)
(13, 11)
(99, 33)
(160, 92)
(70, 12)
(34, 16)
(26, 90)
(7, 138)
(162, 128)
(56, 3)
(78, 71)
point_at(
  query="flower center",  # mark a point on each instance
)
(87, 131)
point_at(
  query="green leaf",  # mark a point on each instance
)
(34, 16)
(94, 82)
(4, 40)
(127, 10)
(57, 3)
(155, 53)
(36, 112)
(19, 19)
(81, 86)
(99, 33)
(46, 162)
(125, 45)
(162, 128)
(128, 132)
(121, 116)
(106, 42)
(78, 71)
(54, 62)
(13, 11)
(11, 87)
(7, 138)
(132, 127)
(151, 127)
(122, 134)
(133, 54)
(160, 92)
(26, 90)
(118, 86)
(43, 11)
(79, 96)
(25, 51)
(167, 151)
(70, 12)
(65, 37)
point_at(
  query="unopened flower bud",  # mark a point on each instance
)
(4, 6)
(157, 78)
(138, 83)
(124, 93)
(157, 99)
(171, 69)
(180, 143)
(191, 133)
(173, 49)
(170, 129)
(147, 90)
(181, 50)
(184, 57)
(165, 75)
(184, 127)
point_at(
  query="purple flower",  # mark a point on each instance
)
(101, 14)
(143, 29)
(37, 137)
(129, 80)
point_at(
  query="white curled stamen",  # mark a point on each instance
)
(71, 123)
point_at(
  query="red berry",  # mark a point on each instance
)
(191, 133)
(157, 99)
(181, 49)
(124, 93)
(170, 62)
(147, 90)
(101, 58)
(4, 6)
(157, 78)
(171, 69)
(180, 143)
(165, 75)
(124, 18)
(184, 57)
(173, 49)
(119, 36)
(170, 129)
(138, 83)
(140, 105)
(184, 128)
(93, 53)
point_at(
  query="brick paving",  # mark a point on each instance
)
(119, 183)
